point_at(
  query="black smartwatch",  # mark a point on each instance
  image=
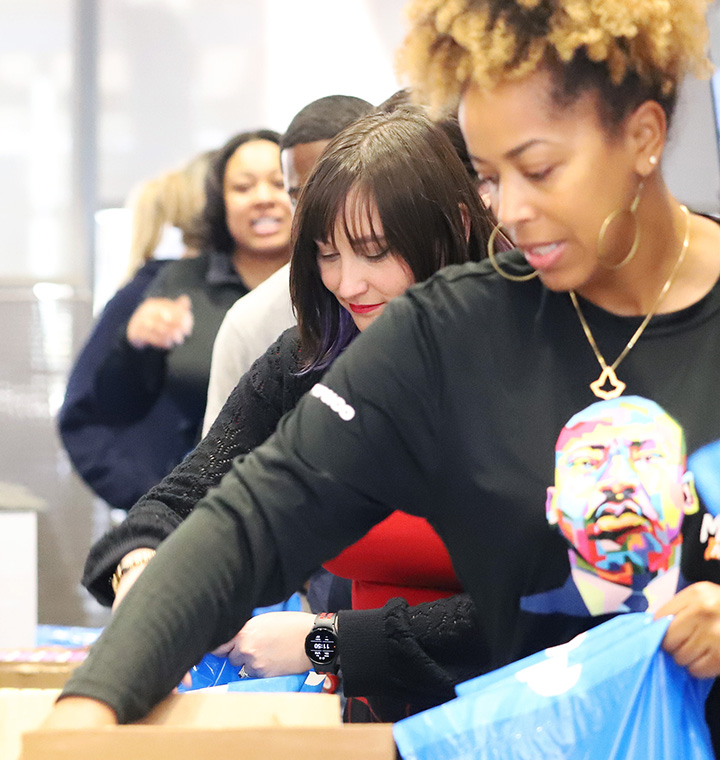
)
(321, 644)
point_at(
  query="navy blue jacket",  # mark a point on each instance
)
(120, 462)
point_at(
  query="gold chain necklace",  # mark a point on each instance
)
(608, 371)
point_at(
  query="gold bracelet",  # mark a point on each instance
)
(140, 557)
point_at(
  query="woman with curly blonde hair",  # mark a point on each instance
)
(537, 408)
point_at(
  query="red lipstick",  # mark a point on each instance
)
(358, 308)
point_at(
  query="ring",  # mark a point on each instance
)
(243, 673)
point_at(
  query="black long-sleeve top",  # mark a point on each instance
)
(410, 653)
(451, 404)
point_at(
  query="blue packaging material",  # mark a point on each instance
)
(609, 694)
(292, 604)
(211, 671)
(217, 671)
(304, 682)
(71, 637)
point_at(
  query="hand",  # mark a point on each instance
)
(693, 637)
(79, 712)
(160, 323)
(126, 583)
(271, 644)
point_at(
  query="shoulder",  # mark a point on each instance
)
(267, 309)
(133, 290)
(278, 371)
(146, 274)
(180, 272)
(478, 281)
(275, 288)
(188, 267)
(286, 350)
(463, 310)
(464, 297)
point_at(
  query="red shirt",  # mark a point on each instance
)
(401, 556)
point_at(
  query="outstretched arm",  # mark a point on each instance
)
(415, 652)
(329, 473)
(249, 417)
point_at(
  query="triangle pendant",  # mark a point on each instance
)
(607, 376)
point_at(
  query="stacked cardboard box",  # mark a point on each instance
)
(39, 667)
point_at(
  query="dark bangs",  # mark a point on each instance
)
(429, 211)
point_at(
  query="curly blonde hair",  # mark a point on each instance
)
(644, 47)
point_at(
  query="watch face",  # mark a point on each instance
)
(321, 646)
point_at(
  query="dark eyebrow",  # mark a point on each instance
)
(514, 153)
(367, 240)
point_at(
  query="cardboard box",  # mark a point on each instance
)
(237, 709)
(26, 674)
(39, 667)
(351, 742)
(20, 711)
(24, 710)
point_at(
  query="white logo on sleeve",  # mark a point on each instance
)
(338, 404)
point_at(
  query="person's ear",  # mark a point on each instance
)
(646, 131)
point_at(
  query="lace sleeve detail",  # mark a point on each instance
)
(413, 652)
(269, 389)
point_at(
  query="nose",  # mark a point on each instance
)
(264, 193)
(619, 479)
(512, 206)
(353, 282)
(618, 493)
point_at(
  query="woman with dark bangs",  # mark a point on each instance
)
(387, 205)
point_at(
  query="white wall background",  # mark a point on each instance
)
(179, 76)
(175, 77)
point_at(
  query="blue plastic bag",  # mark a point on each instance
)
(609, 694)
(305, 682)
(71, 637)
(214, 671)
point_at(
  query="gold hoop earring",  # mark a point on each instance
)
(609, 219)
(496, 266)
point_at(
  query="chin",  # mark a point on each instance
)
(562, 281)
(556, 282)
(362, 323)
(273, 247)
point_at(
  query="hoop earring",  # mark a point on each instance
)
(609, 219)
(496, 266)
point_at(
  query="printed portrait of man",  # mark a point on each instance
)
(621, 493)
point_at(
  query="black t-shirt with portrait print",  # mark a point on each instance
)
(451, 403)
